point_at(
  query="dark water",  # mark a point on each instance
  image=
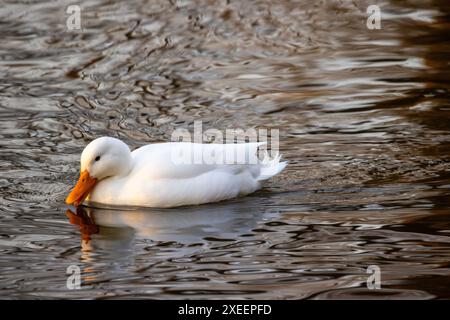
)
(364, 120)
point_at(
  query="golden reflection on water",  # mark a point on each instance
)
(362, 118)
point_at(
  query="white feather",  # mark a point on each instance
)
(157, 178)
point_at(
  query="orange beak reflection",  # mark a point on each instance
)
(84, 186)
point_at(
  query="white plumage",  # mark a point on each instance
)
(173, 174)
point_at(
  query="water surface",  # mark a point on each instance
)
(364, 123)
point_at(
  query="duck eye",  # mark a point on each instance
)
(97, 158)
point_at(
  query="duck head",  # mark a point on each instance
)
(102, 158)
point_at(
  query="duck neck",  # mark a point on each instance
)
(125, 166)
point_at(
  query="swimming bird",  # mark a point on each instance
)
(170, 174)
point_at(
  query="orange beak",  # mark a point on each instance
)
(84, 186)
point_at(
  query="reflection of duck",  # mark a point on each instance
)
(169, 174)
(85, 222)
(116, 242)
(183, 225)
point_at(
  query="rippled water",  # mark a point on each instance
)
(364, 120)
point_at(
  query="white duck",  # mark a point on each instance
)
(169, 174)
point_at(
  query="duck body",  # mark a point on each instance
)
(176, 173)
